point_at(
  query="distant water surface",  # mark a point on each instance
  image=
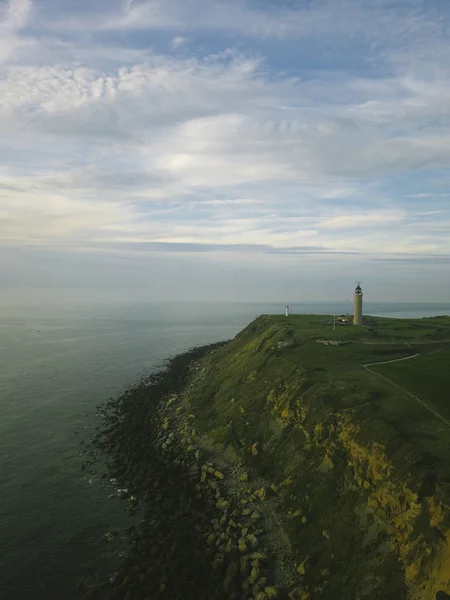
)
(56, 366)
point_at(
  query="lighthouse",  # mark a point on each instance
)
(357, 299)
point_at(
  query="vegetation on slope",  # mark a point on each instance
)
(360, 470)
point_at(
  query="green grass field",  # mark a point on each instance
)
(383, 339)
(426, 376)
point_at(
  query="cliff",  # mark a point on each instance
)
(306, 470)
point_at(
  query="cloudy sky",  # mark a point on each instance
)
(224, 149)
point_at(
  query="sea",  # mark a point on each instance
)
(56, 366)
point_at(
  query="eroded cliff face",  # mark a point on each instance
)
(363, 510)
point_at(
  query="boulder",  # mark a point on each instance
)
(261, 493)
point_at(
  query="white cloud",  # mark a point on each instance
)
(14, 18)
(221, 121)
(178, 41)
(16, 15)
(309, 19)
(34, 211)
(353, 221)
(427, 195)
(228, 201)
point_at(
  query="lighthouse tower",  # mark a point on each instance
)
(357, 299)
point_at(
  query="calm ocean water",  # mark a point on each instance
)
(56, 367)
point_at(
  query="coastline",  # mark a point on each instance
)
(256, 469)
(200, 531)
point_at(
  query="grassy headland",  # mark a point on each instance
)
(279, 465)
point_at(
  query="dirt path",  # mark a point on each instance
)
(384, 362)
(412, 342)
(430, 342)
(404, 390)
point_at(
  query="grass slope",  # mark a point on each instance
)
(360, 470)
(426, 376)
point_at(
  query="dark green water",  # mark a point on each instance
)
(56, 366)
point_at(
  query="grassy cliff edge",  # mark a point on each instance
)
(359, 469)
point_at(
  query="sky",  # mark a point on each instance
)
(235, 150)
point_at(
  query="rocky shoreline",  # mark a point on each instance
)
(201, 530)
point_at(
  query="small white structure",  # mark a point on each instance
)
(358, 300)
(287, 310)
